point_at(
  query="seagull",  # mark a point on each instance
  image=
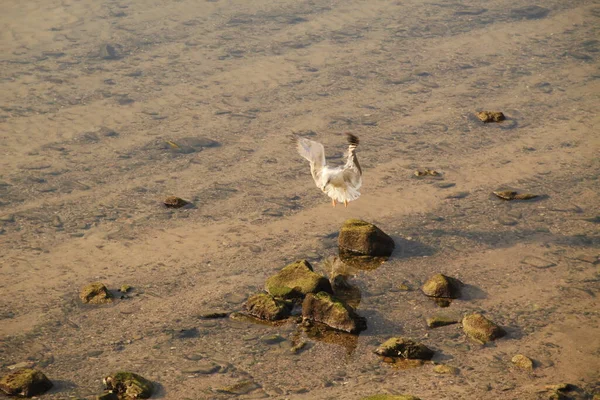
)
(340, 183)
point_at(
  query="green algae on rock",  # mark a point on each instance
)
(26, 382)
(390, 397)
(522, 362)
(443, 286)
(129, 386)
(265, 306)
(296, 280)
(481, 329)
(364, 238)
(333, 312)
(440, 320)
(405, 348)
(95, 293)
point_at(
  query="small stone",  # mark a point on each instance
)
(405, 348)
(507, 221)
(426, 172)
(175, 202)
(129, 386)
(445, 185)
(446, 369)
(537, 262)
(522, 362)
(95, 293)
(25, 382)
(331, 311)
(443, 286)
(490, 116)
(439, 320)
(481, 329)
(457, 195)
(265, 306)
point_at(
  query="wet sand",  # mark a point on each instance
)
(93, 138)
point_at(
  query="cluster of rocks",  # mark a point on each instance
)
(27, 382)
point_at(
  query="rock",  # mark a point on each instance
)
(439, 320)
(522, 362)
(329, 310)
(490, 116)
(124, 288)
(296, 280)
(25, 382)
(405, 348)
(481, 329)
(129, 386)
(391, 397)
(426, 172)
(537, 262)
(441, 285)
(512, 195)
(240, 388)
(175, 202)
(108, 52)
(265, 306)
(446, 369)
(361, 237)
(95, 293)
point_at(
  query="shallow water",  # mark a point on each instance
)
(199, 100)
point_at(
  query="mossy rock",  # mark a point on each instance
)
(95, 293)
(443, 286)
(446, 369)
(364, 238)
(440, 320)
(522, 362)
(333, 312)
(481, 329)
(129, 386)
(391, 397)
(405, 348)
(26, 382)
(265, 306)
(296, 280)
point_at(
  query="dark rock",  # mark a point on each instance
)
(129, 386)
(108, 52)
(214, 315)
(265, 306)
(361, 237)
(296, 280)
(175, 202)
(329, 310)
(25, 382)
(490, 116)
(95, 293)
(530, 12)
(405, 348)
(441, 285)
(481, 329)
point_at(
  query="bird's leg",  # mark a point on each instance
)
(345, 203)
(333, 202)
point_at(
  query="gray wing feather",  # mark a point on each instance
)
(315, 154)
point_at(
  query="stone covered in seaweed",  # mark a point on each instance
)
(296, 280)
(405, 348)
(265, 306)
(26, 382)
(357, 236)
(129, 386)
(333, 312)
(95, 293)
(441, 285)
(481, 329)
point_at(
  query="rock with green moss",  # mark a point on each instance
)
(265, 306)
(26, 382)
(296, 280)
(129, 386)
(331, 311)
(522, 362)
(481, 329)
(361, 237)
(440, 320)
(441, 285)
(446, 369)
(95, 293)
(391, 397)
(405, 348)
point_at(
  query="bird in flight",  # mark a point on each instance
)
(340, 183)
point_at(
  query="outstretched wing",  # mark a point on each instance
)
(352, 171)
(315, 154)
